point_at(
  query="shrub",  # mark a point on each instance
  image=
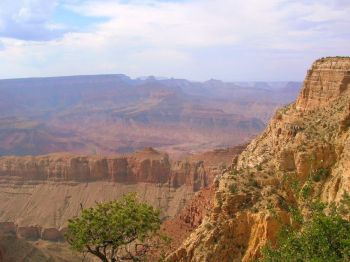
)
(324, 236)
(115, 231)
(233, 172)
(233, 188)
(208, 226)
(254, 183)
(320, 174)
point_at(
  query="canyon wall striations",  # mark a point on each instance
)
(40, 193)
(307, 141)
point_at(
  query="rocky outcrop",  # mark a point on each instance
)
(200, 170)
(48, 190)
(191, 174)
(148, 165)
(29, 232)
(52, 234)
(8, 228)
(327, 79)
(189, 218)
(308, 142)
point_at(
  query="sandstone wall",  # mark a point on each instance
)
(31, 232)
(145, 166)
(325, 81)
(309, 141)
(48, 190)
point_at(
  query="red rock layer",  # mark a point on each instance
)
(190, 217)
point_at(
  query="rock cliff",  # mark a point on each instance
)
(189, 218)
(148, 165)
(145, 166)
(39, 194)
(327, 79)
(307, 141)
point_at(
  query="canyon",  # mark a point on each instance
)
(40, 193)
(307, 142)
(218, 205)
(109, 114)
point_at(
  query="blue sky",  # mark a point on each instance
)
(231, 40)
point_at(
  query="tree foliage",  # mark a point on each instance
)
(323, 238)
(320, 233)
(120, 230)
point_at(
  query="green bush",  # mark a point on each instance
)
(233, 172)
(320, 174)
(233, 188)
(324, 238)
(121, 230)
(259, 167)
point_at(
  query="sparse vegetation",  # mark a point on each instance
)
(254, 183)
(322, 237)
(320, 174)
(306, 190)
(233, 188)
(208, 226)
(255, 210)
(121, 230)
(318, 232)
(233, 172)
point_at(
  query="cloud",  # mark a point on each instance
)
(2, 46)
(28, 20)
(196, 39)
(224, 22)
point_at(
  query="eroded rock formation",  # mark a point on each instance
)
(307, 141)
(39, 194)
(327, 79)
(148, 165)
(189, 218)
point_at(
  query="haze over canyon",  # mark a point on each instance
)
(106, 114)
(79, 140)
(216, 205)
(174, 130)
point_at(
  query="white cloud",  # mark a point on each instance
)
(28, 19)
(194, 39)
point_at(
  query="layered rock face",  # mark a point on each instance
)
(116, 114)
(325, 81)
(39, 194)
(307, 141)
(148, 165)
(200, 170)
(17, 249)
(30, 232)
(189, 218)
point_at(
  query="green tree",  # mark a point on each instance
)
(120, 230)
(323, 236)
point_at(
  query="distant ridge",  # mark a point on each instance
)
(113, 113)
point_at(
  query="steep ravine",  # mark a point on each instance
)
(303, 140)
(39, 194)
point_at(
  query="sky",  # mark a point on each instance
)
(230, 40)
